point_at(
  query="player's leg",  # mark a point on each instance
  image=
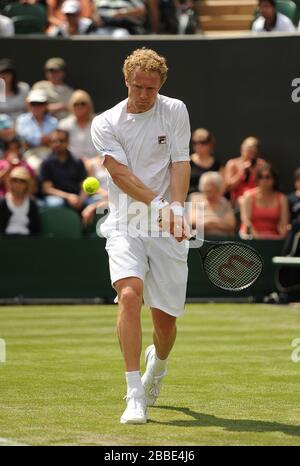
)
(156, 356)
(128, 266)
(164, 333)
(130, 296)
(165, 289)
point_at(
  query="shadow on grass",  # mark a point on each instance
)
(232, 425)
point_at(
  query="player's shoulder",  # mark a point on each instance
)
(110, 116)
(170, 103)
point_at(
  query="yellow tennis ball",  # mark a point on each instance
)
(91, 185)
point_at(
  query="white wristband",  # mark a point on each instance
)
(159, 203)
(178, 210)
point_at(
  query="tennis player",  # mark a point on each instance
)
(144, 141)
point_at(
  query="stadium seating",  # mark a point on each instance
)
(27, 25)
(60, 222)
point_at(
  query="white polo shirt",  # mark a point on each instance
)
(145, 142)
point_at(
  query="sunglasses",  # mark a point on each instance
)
(53, 70)
(37, 104)
(203, 142)
(265, 177)
(80, 103)
(58, 141)
(19, 180)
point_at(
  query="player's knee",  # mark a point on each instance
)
(130, 299)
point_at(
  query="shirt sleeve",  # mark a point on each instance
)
(45, 173)
(105, 140)
(180, 143)
(82, 170)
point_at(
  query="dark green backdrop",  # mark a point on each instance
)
(78, 268)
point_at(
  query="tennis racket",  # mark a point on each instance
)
(230, 265)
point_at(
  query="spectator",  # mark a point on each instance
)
(219, 216)
(35, 127)
(240, 171)
(57, 91)
(264, 210)
(202, 160)
(163, 16)
(294, 209)
(15, 91)
(78, 125)
(12, 158)
(74, 23)
(28, 16)
(187, 17)
(6, 27)
(121, 18)
(18, 211)
(56, 16)
(62, 175)
(270, 20)
(7, 130)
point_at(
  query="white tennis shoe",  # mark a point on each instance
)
(152, 383)
(136, 410)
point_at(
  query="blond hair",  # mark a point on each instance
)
(147, 60)
(81, 96)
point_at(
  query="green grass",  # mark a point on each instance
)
(231, 380)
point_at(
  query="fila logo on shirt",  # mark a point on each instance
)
(162, 139)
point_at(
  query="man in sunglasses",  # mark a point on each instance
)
(62, 175)
(35, 126)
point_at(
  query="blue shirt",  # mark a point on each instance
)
(5, 121)
(31, 131)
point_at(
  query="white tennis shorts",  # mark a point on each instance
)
(161, 263)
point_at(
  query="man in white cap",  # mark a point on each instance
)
(58, 93)
(74, 24)
(35, 126)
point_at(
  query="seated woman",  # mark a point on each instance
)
(78, 125)
(264, 210)
(12, 158)
(216, 212)
(18, 211)
(202, 159)
(240, 171)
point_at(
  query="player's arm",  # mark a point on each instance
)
(135, 188)
(127, 181)
(180, 181)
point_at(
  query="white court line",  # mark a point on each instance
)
(11, 443)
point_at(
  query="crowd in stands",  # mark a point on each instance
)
(46, 152)
(58, 18)
(65, 18)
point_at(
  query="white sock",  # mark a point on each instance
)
(134, 383)
(159, 365)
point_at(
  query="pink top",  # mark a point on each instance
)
(265, 219)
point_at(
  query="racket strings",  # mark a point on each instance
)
(232, 266)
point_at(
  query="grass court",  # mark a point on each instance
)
(231, 378)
